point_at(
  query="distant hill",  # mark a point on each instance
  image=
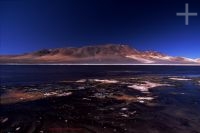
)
(97, 54)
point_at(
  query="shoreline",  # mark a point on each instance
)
(85, 64)
(103, 105)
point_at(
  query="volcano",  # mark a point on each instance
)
(95, 54)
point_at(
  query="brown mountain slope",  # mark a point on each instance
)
(97, 54)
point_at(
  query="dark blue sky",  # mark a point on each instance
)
(29, 25)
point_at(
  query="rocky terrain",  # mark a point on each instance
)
(143, 104)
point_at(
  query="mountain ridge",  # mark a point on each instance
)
(95, 54)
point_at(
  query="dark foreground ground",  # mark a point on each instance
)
(145, 104)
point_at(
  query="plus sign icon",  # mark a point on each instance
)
(187, 14)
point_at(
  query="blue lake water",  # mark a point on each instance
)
(28, 74)
(174, 108)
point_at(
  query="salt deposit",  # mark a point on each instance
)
(144, 87)
(4, 120)
(81, 81)
(106, 81)
(180, 79)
